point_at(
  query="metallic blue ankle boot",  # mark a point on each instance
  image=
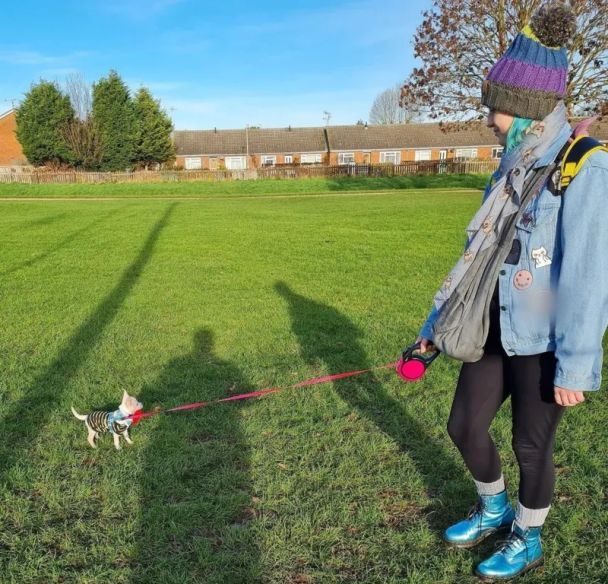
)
(491, 513)
(520, 553)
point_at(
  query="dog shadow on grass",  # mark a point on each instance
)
(195, 522)
(326, 335)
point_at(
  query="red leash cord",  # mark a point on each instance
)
(137, 416)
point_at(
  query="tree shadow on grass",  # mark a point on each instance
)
(195, 519)
(63, 243)
(327, 336)
(25, 418)
(46, 220)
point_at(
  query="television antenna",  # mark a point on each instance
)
(327, 117)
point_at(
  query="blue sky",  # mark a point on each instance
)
(219, 64)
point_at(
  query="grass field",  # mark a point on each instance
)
(180, 301)
(247, 188)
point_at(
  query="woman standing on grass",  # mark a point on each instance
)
(526, 306)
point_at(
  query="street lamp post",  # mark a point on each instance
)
(247, 146)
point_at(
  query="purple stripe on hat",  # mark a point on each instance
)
(528, 76)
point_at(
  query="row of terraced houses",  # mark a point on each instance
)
(332, 145)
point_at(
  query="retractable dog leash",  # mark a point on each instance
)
(410, 367)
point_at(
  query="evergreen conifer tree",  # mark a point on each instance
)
(114, 116)
(43, 114)
(153, 134)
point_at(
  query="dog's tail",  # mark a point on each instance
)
(77, 415)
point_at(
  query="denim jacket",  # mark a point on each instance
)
(555, 296)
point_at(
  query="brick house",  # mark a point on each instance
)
(338, 145)
(394, 144)
(249, 148)
(11, 153)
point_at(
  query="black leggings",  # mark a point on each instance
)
(482, 388)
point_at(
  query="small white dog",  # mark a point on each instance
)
(116, 422)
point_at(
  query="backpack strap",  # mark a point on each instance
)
(577, 153)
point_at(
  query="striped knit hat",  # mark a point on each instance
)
(532, 76)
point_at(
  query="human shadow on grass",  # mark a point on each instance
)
(63, 243)
(25, 418)
(195, 519)
(328, 336)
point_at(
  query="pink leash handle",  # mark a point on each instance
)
(412, 367)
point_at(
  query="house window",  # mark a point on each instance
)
(236, 163)
(422, 155)
(269, 160)
(443, 155)
(497, 152)
(288, 159)
(193, 163)
(311, 159)
(390, 157)
(462, 153)
(346, 158)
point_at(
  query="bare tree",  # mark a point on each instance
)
(78, 90)
(81, 133)
(387, 109)
(459, 40)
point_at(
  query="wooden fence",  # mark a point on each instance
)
(278, 172)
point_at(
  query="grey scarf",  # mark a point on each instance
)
(463, 301)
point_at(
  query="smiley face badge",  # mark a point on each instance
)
(523, 280)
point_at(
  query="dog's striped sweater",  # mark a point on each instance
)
(115, 422)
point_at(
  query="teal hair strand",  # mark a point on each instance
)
(517, 132)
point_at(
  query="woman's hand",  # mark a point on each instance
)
(425, 345)
(567, 397)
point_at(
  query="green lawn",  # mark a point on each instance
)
(180, 301)
(246, 188)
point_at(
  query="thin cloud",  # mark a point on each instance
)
(58, 73)
(25, 57)
(140, 9)
(162, 87)
(191, 108)
(185, 42)
(361, 22)
(305, 109)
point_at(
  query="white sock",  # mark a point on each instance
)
(491, 488)
(525, 517)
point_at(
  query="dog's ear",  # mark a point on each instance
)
(125, 396)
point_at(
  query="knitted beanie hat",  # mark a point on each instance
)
(532, 76)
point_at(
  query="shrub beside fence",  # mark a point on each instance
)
(278, 173)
